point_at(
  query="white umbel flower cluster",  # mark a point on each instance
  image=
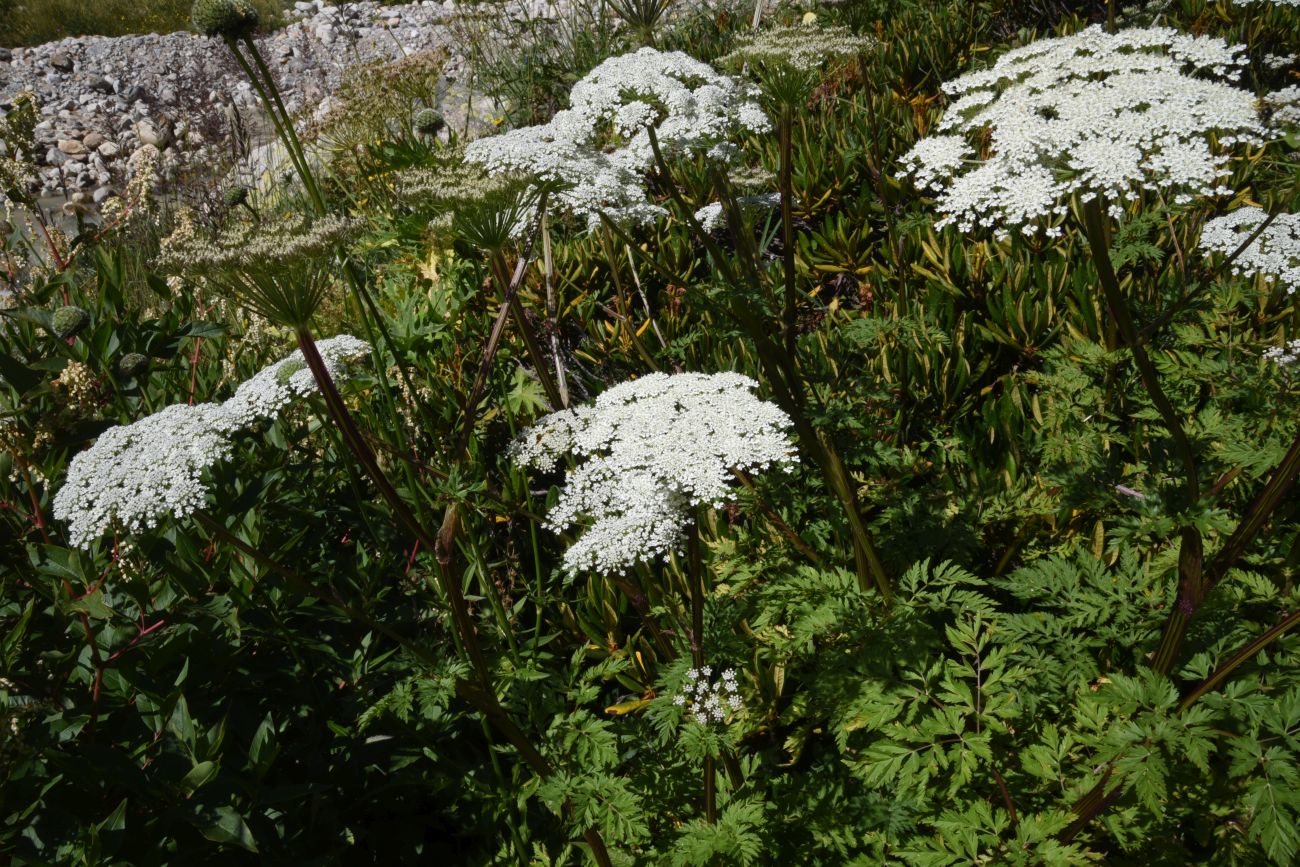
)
(1295, 3)
(655, 447)
(137, 474)
(806, 47)
(599, 150)
(706, 700)
(289, 379)
(1284, 356)
(1089, 114)
(1274, 255)
(1285, 105)
(710, 216)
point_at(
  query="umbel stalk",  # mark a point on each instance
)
(443, 546)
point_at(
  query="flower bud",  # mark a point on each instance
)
(236, 196)
(428, 122)
(70, 321)
(229, 19)
(132, 365)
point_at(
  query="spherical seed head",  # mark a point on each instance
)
(231, 19)
(70, 321)
(132, 364)
(428, 121)
(236, 196)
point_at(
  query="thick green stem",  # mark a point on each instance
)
(289, 134)
(1097, 240)
(787, 228)
(531, 346)
(480, 695)
(1215, 680)
(695, 581)
(1191, 587)
(269, 105)
(787, 390)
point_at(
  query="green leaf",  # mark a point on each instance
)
(198, 777)
(226, 825)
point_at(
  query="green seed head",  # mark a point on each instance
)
(132, 364)
(70, 321)
(428, 122)
(236, 196)
(230, 19)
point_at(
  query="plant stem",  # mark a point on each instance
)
(1191, 587)
(511, 287)
(1097, 240)
(552, 311)
(695, 579)
(291, 140)
(787, 228)
(269, 105)
(1215, 680)
(787, 390)
(624, 308)
(502, 277)
(480, 695)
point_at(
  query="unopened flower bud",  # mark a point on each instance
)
(236, 196)
(428, 122)
(70, 321)
(132, 364)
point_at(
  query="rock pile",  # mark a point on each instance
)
(102, 98)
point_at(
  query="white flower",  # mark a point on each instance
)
(1274, 255)
(136, 474)
(706, 700)
(710, 216)
(1295, 3)
(805, 47)
(1284, 355)
(275, 387)
(1089, 114)
(599, 150)
(655, 447)
(1285, 104)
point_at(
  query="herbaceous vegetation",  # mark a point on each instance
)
(849, 435)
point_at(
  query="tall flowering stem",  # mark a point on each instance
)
(695, 579)
(785, 144)
(625, 308)
(788, 390)
(501, 275)
(270, 96)
(238, 31)
(481, 696)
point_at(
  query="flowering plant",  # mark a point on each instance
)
(656, 447)
(598, 150)
(1093, 114)
(137, 474)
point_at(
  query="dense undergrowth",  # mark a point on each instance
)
(1023, 595)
